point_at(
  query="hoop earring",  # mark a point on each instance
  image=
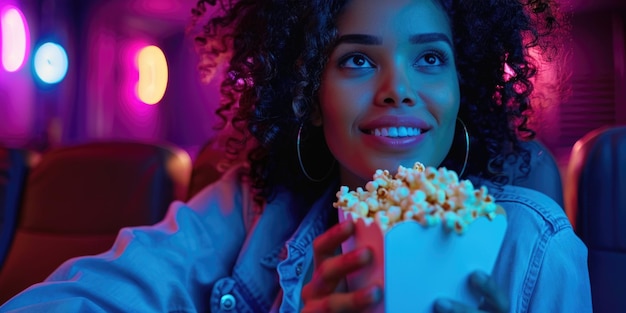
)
(316, 180)
(467, 146)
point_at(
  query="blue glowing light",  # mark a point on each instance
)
(51, 63)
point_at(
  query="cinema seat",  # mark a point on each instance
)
(15, 164)
(205, 169)
(77, 199)
(544, 174)
(595, 200)
(209, 165)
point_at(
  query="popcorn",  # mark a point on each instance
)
(427, 195)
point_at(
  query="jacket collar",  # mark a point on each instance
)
(286, 219)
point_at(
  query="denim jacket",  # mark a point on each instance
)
(217, 254)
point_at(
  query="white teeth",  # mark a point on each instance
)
(394, 132)
(402, 132)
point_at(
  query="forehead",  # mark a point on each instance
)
(380, 17)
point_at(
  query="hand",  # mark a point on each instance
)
(319, 294)
(496, 301)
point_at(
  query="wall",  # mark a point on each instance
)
(17, 90)
(619, 48)
(106, 105)
(596, 96)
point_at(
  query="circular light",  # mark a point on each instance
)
(14, 38)
(51, 63)
(153, 73)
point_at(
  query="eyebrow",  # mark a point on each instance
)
(374, 40)
(429, 37)
(360, 39)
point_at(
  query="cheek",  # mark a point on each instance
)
(332, 114)
(443, 100)
(340, 107)
(329, 111)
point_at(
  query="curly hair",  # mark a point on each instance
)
(277, 50)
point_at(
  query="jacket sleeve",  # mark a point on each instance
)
(170, 266)
(563, 281)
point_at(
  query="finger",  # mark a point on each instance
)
(357, 301)
(325, 245)
(451, 306)
(495, 299)
(328, 275)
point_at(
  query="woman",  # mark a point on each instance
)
(368, 84)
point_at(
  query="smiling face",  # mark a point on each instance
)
(390, 92)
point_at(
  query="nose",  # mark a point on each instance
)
(395, 88)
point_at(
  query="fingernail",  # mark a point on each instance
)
(479, 278)
(443, 305)
(376, 294)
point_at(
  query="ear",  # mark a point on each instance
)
(316, 116)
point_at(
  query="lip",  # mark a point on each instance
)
(394, 143)
(395, 121)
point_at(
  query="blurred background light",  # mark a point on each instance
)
(15, 38)
(153, 75)
(51, 63)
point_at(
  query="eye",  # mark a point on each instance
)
(433, 58)
(356, 61)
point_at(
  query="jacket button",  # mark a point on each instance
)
(299, 269)
(227, 302)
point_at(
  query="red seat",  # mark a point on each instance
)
(78, 198)
(205, 169)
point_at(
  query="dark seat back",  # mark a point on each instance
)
(79, 197)
(543, 175)
(14, 167)
(595, 198)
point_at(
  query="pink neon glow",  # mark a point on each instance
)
(159, 7)
(15, 38)
(141, 118)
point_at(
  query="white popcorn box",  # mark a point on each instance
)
(417, 264)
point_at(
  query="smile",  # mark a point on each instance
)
(395, 132)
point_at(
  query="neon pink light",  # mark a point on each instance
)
(14, 38)
(142, 119)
